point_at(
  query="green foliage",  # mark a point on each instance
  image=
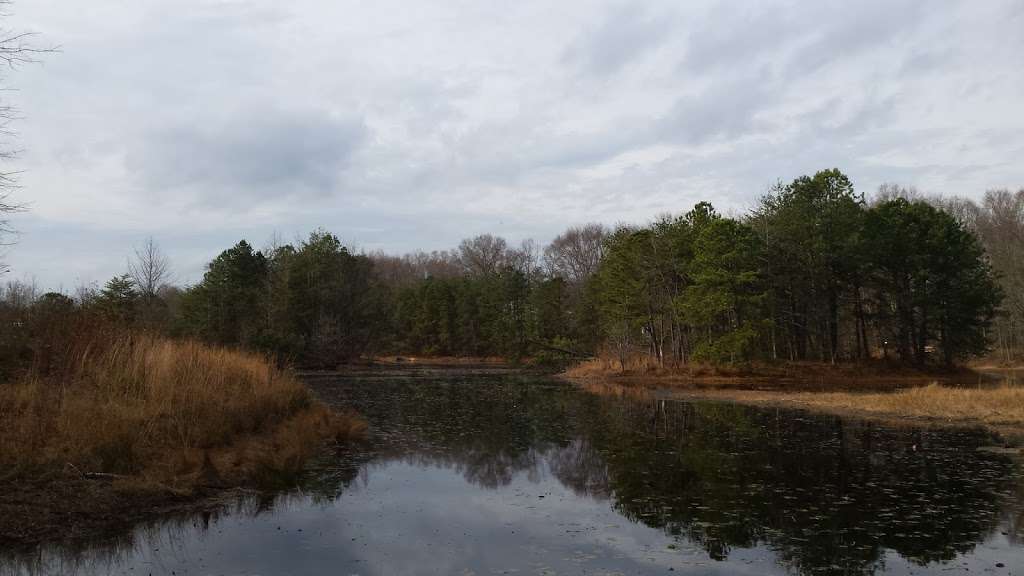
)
(724, 303)
(478, 315)
(643, 271)
(118, 299)
(226, 307)
(811, 230)
(812, 273)
(931, 281)
(330, 303)
(315, 304)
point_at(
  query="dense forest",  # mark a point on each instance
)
(814, 272)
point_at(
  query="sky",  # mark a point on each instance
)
(404, 125)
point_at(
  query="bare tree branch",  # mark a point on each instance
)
(150, 268)
(15, 48)
(575, 254)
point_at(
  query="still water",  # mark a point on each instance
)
(491, 472)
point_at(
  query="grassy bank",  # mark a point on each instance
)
(899, 394)
(112, 422)
(818, 376)
(995, 406)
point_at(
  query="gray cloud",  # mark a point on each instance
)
(728, 108)
(411, 125)
(846, 28)
(264, 153)
(625, 33)
(756, 34)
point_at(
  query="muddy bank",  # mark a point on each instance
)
(74, 509)
(71, 504)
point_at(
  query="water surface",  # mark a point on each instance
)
(491, 472)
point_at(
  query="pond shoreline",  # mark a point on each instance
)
(900, 399)
(532, 470)
(72, 505)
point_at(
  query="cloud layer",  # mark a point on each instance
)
(403, 125)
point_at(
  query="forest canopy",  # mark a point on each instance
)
(814, 272)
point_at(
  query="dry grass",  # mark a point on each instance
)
(107, 427)
(872, 375)
(873, 389)
(906, 395)
(151, 407)
(996, 405)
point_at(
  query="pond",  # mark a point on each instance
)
(497, 472)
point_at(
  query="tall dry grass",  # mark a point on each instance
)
(990, 405)
(872, 389)
(843, 375)
(177, 412)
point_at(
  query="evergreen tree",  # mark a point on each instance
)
(118, 299)
(227, 306)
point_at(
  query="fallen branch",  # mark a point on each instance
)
(94, 475)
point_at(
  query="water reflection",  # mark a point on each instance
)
(492, 471)
(821, 491)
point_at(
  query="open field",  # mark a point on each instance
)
(124, 422)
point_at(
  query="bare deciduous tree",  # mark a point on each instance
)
(891, 191)
(150, 268)
(19, 294)
(484, 254)
(525, 259)
(15, 49)
(575, 254)
(409, 268)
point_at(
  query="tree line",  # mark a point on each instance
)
(815, 271)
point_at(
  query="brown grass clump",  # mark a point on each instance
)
(876, 390)
(149, 407)
(109, 424)
(805, 375)
(997, 405)
(122, 406)
(907, 396)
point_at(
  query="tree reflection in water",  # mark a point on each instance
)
(827, 494)
(824, 494)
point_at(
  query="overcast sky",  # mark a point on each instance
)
(401, 125)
